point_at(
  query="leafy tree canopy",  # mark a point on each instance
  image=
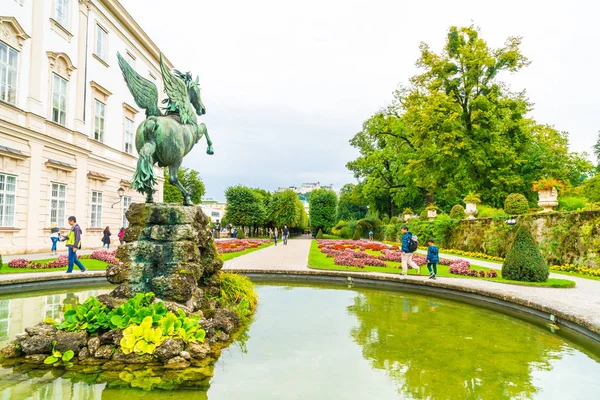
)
(322, 209)
(190, 180)
(245, 206)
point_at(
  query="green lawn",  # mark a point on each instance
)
(88, 263)
(229, 256)
(318, 260)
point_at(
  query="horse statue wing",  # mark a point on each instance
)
(177, 91)
(144, 91)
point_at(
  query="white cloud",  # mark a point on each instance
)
(287, 84)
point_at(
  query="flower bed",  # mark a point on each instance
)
(60, 262)
(573, 268)
(353, 253)
(109, 257)
(236, 245)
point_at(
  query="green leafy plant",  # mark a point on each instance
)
(237, 294)
(408, 211)
(432, 207)
(472, 197)
(547, 184)
(57, 358)
(320, 234)
(181, 326)
(423, 215)
(524, 261)
(516, 204)
(356, 235)
(458, 212)
(142, 339)
(394, 220)
(136, 309)
(89, 316)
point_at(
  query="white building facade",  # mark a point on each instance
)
(67, 119)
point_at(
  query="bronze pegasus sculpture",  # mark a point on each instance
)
(165, 138)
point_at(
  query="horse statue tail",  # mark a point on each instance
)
(144, 178)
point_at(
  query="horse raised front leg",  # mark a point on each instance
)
(204, 132)
(174, 180)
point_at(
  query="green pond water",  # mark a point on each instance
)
(334, 342)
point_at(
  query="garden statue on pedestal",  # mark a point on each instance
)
(165, 138)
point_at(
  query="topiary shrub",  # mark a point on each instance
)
(394, 220)
(385, 220)
(320, 234)
(516, 204)
(356, 235)
(458, 212)
(524, 261)
(241, 234)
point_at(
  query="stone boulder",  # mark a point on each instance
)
(93, 345)
(169, 349)
(71, 341)
(112, 337)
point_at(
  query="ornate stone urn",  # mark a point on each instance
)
(431, 214)
(471, 210)
(406, 217)
(548, 199)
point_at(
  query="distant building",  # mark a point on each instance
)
(306, 188)
(67, 119)
(213, 209)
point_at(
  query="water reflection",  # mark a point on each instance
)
(442, 349)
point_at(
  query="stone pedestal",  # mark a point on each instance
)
(168, 250)
(431, 214)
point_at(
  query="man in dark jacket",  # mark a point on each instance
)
(74, 243)
(407, 255)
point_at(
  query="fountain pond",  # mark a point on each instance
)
(331, 342)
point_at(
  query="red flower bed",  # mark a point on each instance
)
(236, 245)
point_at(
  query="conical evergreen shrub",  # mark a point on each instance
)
(320, 234)
(524, 261)
(356, 235)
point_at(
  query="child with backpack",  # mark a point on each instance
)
(410, 244)
(433, 257)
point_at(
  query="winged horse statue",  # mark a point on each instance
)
(165, 138)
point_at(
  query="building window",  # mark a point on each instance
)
(130, 59)
(8, 190)
(101, 42)
(96, 221)
(128, 136)
(61, 12)
(8, 74)
(4, 319)
(53, 305)
(59, 99)
(58, 201)
(99, 114)
(126, 204)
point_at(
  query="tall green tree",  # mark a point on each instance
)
(322, 209)
(245, 207)
(283, 209)
(597, 152)
(352, 205)
(190, 180)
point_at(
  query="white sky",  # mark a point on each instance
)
(287, 84)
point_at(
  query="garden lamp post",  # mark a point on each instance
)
(120, 192)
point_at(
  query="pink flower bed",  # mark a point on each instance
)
(352, 253)
(236, 245)
(60, 262)
(106, 256)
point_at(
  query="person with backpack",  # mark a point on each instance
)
(73, 242)
(106, 238)
(410, 244)
(433, 257)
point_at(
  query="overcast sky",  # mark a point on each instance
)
(287, 84)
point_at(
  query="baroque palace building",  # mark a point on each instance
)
(67, 119)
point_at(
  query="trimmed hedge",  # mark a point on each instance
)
(458, 212)
(524, 261)
(516, 204)
(320, 234)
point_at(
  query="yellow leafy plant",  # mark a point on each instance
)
(142, 339)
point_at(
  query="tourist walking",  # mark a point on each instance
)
(286, 234)
(121, 234)
(106, 238)
(433, 258)
(275, 233)
(234, 233)
(270, 233)
(407, 251)
(73, 242)
(371, 236)
(54, 237)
